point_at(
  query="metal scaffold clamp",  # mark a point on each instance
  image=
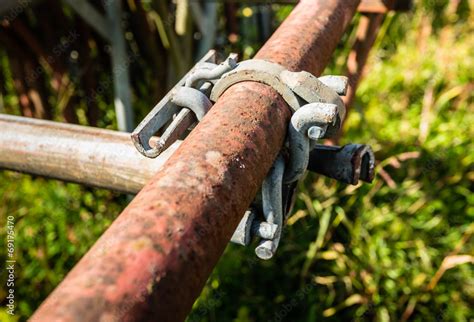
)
(318, 112)
(184, 105)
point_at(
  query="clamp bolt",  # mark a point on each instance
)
(317, 132)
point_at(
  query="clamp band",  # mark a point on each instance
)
(296, 88)
(256, 70)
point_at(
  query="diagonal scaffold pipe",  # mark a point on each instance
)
(153, 261)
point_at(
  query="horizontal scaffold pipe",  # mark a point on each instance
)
(86, 155)
(153, 261)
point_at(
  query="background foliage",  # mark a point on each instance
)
(398, 249)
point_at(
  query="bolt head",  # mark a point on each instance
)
(316, 132)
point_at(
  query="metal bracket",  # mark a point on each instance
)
(296, 88)
(251, 226)
(163, 113)
(272, 207)
(170, 109)
(318, 113)
(348, 164)
(308, 123)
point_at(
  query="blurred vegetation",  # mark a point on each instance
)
(396, 250)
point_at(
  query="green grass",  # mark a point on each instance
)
(400, 248)
(55, 224)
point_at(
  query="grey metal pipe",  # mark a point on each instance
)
(92, 16)
(91, 156)
(120, 67)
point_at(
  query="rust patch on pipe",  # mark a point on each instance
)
(367, 31)
(307, 38)
(177, 227)
(153, 261)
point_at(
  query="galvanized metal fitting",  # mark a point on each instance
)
(348, 164)
(296, 88)
(309, 122)
(251, 226)
(193, 100)
(170, 109)
(272, 206)
(207, 74)
(318, 113)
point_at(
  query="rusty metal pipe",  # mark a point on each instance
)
(366, 36)
(367, 32)
(366, 6)
(384, 6)
(91, 156)
(153, 261)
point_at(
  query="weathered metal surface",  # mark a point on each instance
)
(366, 35)
(367, 31)
(161, 114)
(91, 156)
(193, 100)
(185, 97)
(296, 88)
(260, 71)
(365, 5)
(336, 83)
(272, 208)
(153, 261)
(250, 226)
(209, 74)
(307, 41)
(311, 116)
(94, 157)
(349, 164)
(313, 90)
(107, 159)
(322, 117)
(243, 233)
